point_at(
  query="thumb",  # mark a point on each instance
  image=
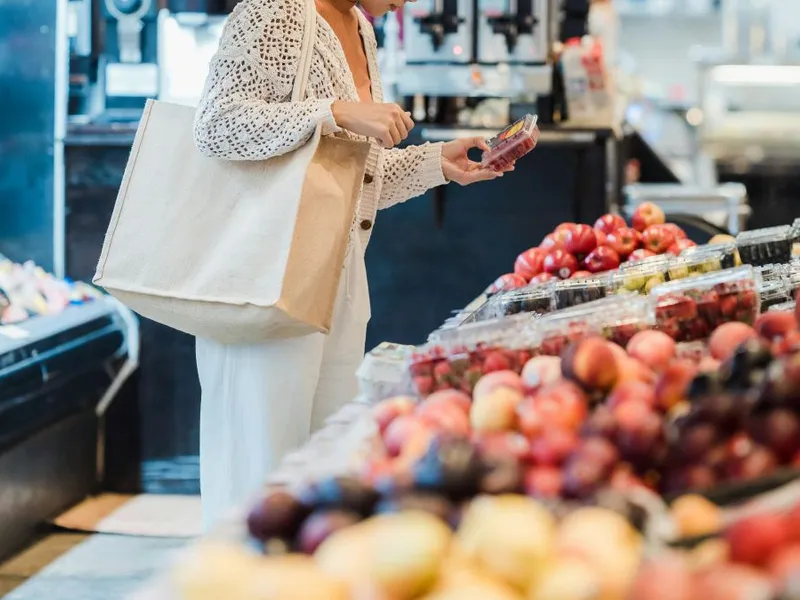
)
(477, 142)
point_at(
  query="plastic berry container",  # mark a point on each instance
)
(640, 277)
(514, 142)
(619, 318)
(796, 237)
(551, 334)
(697, 263)
(764, 246)
(383, 372)
(574, 292)
(791, 274)
(729, 254)
(772, 292)
(456, 358)
(533, 299)
(690, 309)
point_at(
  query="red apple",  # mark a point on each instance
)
(602, 259)
(529, 263)
(581, 239)
(509, 281)
(647, 214)
(542, 278)
(677, 232)
(679, 245)
(401, 430)
(601, 237)
(640, 254)
(555, 240)
(609, 223)
(560, 263)
(657, 239)
(566, 226)
(624, 241)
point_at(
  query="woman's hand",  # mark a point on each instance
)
(387, 123)
(457, 166)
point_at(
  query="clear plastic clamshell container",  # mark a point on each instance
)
(796, 237)
(782, 307)
(775, 286)
(792, 275)
(690, 309)
(514, 142)
(764, 246)
(729, 254)
(574, 292)
(458, 357)
(640, 277)
(532, 299)
(697, 263)
(619, 318)
(551, 334)
(384, 372)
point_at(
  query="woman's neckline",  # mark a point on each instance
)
(342, 6)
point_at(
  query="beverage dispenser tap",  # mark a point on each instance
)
(438, 32)
(443, 21)
(520, 20)
(513, 31)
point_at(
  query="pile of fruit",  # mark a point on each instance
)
(573, 250)
(601, 414)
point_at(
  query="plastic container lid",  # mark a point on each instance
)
(764, 246)
(640, 277)
(501, 331)
(532, 299)
(574, 292)
(512, 143)
(730, 254)
(698, 263)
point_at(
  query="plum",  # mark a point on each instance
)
(278, 515)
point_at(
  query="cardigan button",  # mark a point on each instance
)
(366, 225)
(368, 178)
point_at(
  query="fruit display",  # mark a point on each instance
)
(456, 358)
(690, 309)
(765, 246)
(27, 291)
(573, 292)
(511, 144)
(577, 440)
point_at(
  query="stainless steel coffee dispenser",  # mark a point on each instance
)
(512, 31)
(439, 32)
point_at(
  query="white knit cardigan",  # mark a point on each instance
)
(245, 113)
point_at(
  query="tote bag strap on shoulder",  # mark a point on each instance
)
(306, 52)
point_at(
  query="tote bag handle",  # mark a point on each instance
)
(306, 52)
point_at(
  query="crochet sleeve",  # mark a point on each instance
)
(245, 113)
(410, 172)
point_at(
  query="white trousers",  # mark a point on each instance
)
(261, 401)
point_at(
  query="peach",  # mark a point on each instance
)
(541, 370)
(562, 405)
(591, 364)
(632, 391)
(531, 422)
(695, 516)
(673, 383)
(708, 364)
(503, 445)
(653, 348)
(632, 369)
(401, 430)
(497, 379)
(664, 578)
(445, 418)
(774, 325)
(495, 411)
(732, 582)
(753, 539)
(544, 482)
(726, 338)
(387, 411)
(451, 398)
(785, 563)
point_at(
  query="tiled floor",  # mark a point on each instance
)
(68, 566)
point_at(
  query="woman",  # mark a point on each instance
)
(260, 401)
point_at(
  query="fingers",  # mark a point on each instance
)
(476, 142)
(397, 136)
(409, 122)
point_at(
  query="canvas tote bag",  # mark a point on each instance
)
(234, 251)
